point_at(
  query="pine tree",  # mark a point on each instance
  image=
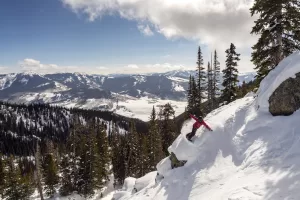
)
(167, 126)
(143, 156)
(154, 142)
(50, 174)
(68, 165)
(18, 185)
(2, 175)
(201, 77)
(230, 75)
(26, 181)
(101, 163)
(195, 95)
(209, 86)
(118, 157)
(66, 178)
(38, 167)
(278, 26)
(132, 161)
(216, 81)
(85, 179)
(190, 96)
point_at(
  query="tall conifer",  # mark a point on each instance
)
(278, 26)
(216, 80)
(230, 75)
(200, 81)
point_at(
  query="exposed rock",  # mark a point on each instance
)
(285, 100)
(175, 163)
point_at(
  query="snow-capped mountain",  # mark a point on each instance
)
(62, 88)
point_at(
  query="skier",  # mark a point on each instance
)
(199, 122)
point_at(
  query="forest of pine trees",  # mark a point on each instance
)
(80, 155)
(205, 86)
(279, 36)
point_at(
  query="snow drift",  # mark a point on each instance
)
(249, 155)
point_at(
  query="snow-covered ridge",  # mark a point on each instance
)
(286, 69)
(7, 80)
(249, 155)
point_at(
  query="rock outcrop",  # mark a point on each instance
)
(175, 162)
(285, 100)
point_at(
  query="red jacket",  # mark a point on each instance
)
(198, 123)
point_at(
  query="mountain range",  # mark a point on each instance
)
(67, 88)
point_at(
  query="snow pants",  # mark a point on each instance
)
(191, 134)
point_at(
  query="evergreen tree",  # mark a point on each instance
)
(68, 165)
(85, 179)
(209, 86)
(154, 142)
(143, 156)
(2, 175)
(132, 152)
(101, 163)
(118, 157)
(167, 127)
(50, 174)
(38, 167)
(201, 77)
(216, 81)
(26, 181)
(195, 95)
(242, 90)
(18, 185)
(230, 75)
(190, 96)
(66, 178)
(278, 26)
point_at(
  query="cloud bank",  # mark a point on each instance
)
(32, 65)
(3, 70)
(212, 22)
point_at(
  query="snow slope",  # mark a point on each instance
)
(250, 154)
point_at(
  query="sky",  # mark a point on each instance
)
(121, 36)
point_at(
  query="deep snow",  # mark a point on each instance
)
(250, 154)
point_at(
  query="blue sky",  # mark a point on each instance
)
(95, 37)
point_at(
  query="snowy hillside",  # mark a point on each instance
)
(136, 94)
(249, 155)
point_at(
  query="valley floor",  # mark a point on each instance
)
(131, 107)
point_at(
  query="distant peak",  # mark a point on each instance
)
(30, 73)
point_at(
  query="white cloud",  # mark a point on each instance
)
(33, 65)
(167, 67)
(215, 23)
(3, 69)
(29, 64)
(149, 68)
(145, 29)
(38, 67)
(132, 66)
(102, 68)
